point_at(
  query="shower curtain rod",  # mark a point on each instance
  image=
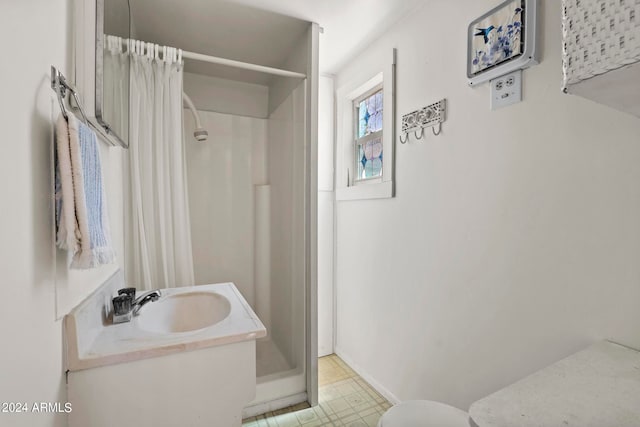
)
(239, 64)
(213, 59)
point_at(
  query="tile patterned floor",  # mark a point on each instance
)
(345, 399)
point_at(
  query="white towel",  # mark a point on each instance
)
(83, 224)
(68, 235)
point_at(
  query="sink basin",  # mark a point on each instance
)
(184, 312)
(183, 319)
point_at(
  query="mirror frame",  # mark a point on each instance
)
(99, 80)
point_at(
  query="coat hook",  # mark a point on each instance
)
(405, 139)
(421, 133)
(439, 129)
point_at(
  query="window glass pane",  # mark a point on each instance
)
(371, 105)
(360, 161)
(379, 101)
(362, 119)
(370, 115)
(370, 159)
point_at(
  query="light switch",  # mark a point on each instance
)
(506, 90)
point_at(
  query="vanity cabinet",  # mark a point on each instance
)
(204, 388)
(188, 359)
(601, 52)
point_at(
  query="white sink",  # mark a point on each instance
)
(183, 319)
(184, 312)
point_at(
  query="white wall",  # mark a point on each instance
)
(31, 360)
(514, 238)
(325, 216)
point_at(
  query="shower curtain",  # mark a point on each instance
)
(158, 231)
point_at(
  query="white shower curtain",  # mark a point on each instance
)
(159, 235)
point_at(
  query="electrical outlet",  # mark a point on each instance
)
(506, 90)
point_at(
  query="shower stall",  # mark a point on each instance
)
(250, 207)
(250, 84)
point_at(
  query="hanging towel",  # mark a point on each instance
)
(83, 224)
(67, 235)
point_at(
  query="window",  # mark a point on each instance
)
(368, 146)
(365, 121)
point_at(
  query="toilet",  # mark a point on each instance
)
(423, 413)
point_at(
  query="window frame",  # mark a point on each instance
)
(375, 71)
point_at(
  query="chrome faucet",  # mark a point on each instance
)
(145, 298)
(125, 306)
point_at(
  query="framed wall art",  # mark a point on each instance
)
(502, 40)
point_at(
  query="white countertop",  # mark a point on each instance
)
(596, 387)
(92, 344)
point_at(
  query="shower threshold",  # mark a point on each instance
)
(278, 383)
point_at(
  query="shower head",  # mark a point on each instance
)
(200, 134)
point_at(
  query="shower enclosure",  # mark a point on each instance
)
(250, 209)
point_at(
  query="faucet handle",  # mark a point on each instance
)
(122, 304)
(122, 308)
(128, 291)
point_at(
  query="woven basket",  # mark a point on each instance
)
(599, 36)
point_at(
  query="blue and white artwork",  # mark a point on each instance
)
(497, 38)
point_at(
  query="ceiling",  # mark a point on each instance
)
(349, 25)
(264, 31)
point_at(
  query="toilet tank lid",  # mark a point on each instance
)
(424, 413)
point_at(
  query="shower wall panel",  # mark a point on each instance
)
(287, 179)
(222, 172)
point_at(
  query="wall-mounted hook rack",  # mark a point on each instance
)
(427, 117)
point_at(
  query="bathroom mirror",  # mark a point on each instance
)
(113, 29)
